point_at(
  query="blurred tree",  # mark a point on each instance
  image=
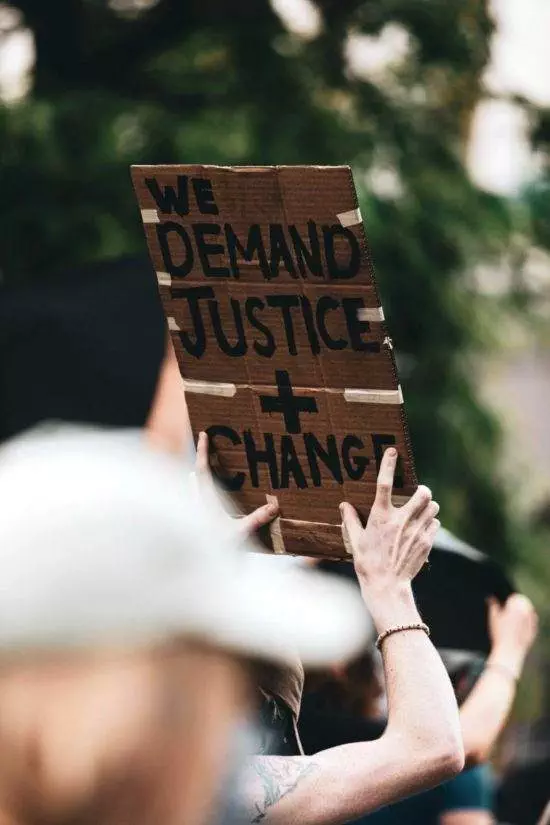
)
(216, 82)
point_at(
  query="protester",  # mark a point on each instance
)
(130, 766)
(339, 784)
(127, 618)
(331, 711)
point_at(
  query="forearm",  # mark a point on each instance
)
(422, 709)
(485, 711)
(168, 425)
(421, 747)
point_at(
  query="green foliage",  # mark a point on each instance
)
(220, 82)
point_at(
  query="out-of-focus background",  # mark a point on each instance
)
(443, 110)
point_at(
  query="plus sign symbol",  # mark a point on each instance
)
(286, 403)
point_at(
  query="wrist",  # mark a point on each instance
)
(508, 657)
(390, 606)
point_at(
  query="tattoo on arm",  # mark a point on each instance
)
(276, 777)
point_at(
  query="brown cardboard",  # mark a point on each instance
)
(268, 287)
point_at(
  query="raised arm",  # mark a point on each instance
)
(513, 628)
(422, 744)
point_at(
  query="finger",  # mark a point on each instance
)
(202, 462)
(384, 483)
(494, 609)
(429, 535)
(351, 522)
(252, 522)
(428, 514)
(419, 501)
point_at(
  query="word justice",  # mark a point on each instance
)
(236, 323)
(298, 459)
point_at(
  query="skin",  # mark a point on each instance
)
(168, 426)
(512, 629)
(117, 736)
(422, 744)
(468, 817)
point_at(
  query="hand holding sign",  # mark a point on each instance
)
(248, 524)
(391, 549)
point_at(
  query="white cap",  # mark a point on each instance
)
(103, 541)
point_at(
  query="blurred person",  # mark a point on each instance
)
(127, 621)
(522, 795)
(123, 597)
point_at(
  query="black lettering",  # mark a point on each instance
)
(205, 196)
(285, 303)
(236, 481)
(304, 256)
(255, 457)
(194, 295)
(356, 328)
(254, 246)
(205, 249)
(290, 464)
(329, 457)
(352, 268)
(354, 465)
(167, 199)
(267, 349)
(380, 442)
(326, 304)
(279, 251)
(177, 270)
(240, 347)
(307, 312)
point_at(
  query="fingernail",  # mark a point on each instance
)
(341, 507)
(392, 452)
(272, 508)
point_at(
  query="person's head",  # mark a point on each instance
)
(127, 618)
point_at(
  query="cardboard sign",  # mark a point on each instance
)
(268, 288)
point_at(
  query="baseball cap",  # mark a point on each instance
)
(105, 541)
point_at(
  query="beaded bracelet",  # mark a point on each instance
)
(399, 628)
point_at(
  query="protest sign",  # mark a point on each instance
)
(268, 288)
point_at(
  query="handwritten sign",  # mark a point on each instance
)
(268, 288)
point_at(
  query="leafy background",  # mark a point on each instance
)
(218, 82)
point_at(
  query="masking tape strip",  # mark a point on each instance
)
(149, 216)
(374, 396)
(172, 324)
(209, 388)
(351, 218)
(164, 279)
(275, 529)
(373, 314)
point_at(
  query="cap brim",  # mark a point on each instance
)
(271, 611)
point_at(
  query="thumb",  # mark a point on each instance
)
(251, 523)
(351, 522)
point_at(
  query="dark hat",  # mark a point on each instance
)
(452, 591)
(83, 346)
